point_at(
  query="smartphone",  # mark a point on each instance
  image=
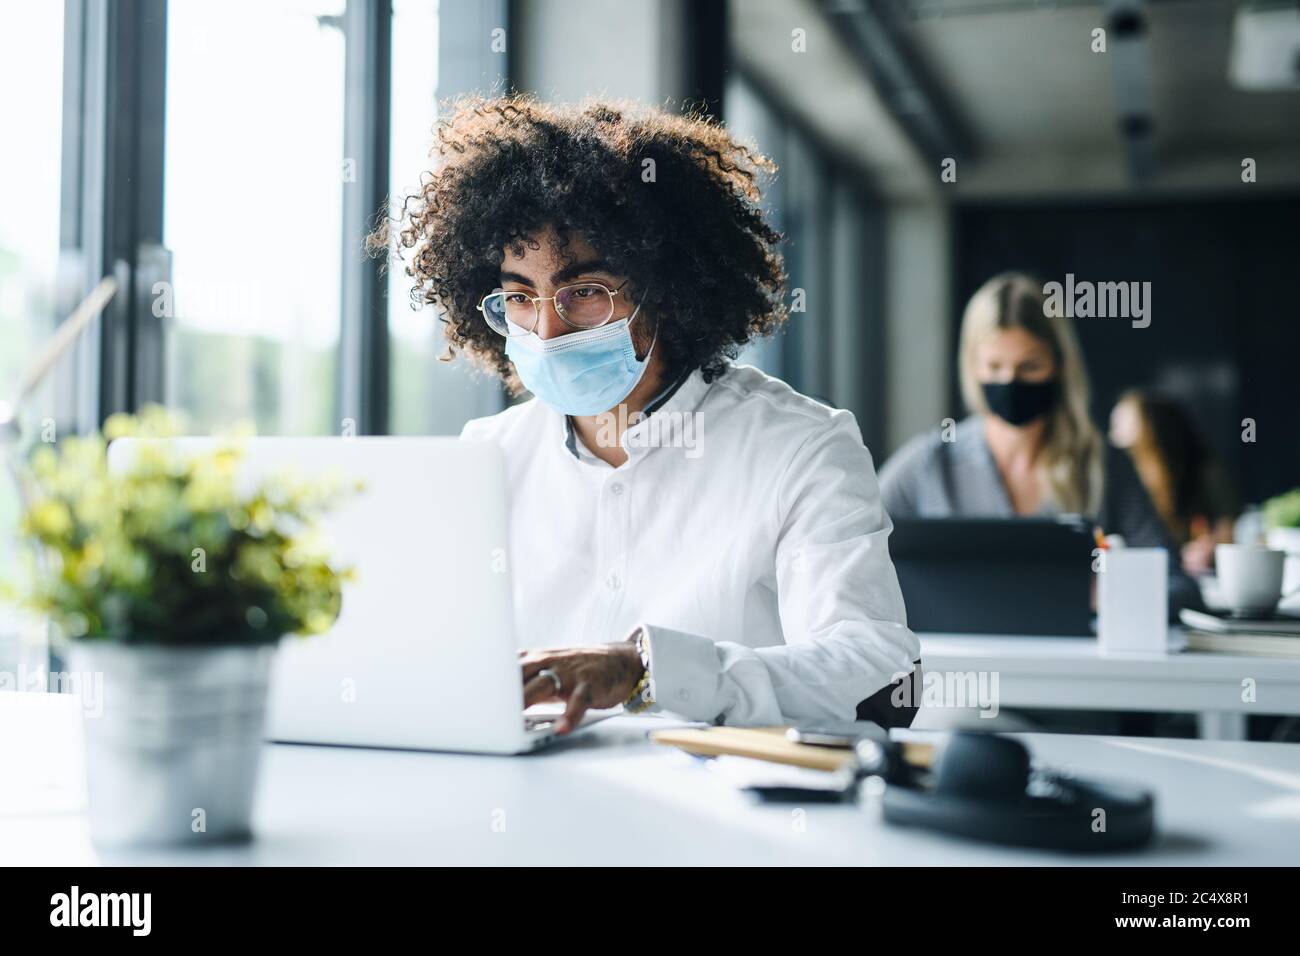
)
(820, 737)
(842, 734)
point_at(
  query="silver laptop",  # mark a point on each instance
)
(424, 654)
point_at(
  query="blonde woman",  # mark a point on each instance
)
(1029, 448)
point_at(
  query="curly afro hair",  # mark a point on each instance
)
(670, 201)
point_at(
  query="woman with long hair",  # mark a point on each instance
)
(1187, 484)
(1029, 446)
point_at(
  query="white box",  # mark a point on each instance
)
(1133, 601)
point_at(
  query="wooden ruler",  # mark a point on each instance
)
(770, 743)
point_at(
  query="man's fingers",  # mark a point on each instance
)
(533, 666)
(539, 689)
(576, 707)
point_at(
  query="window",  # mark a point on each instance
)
(31, 61)
(750, 118)
(427, 397)
(253, 212)
(209, 172)
(833, 257)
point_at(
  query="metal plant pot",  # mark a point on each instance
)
(172, 756)
(1288, 540)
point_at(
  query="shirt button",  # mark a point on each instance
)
(616, 488)
(683, 694)
(612, 582)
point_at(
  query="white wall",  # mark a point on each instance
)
(629, 49)
(918, 341)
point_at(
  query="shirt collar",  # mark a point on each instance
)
(683, 394)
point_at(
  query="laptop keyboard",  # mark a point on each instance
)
(538, 721)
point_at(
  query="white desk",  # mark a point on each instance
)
(1070, 673)
(610, 797)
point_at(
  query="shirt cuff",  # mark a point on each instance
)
(684, 670)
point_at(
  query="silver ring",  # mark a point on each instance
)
(555, 678)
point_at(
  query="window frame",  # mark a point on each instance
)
(111, 204)
(363, 359)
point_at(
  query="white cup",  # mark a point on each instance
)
(1250, 578)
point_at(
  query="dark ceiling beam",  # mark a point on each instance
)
(705, 43)
(918, 103)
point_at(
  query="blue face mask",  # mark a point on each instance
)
(582, 373)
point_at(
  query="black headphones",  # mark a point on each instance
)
(984, 789)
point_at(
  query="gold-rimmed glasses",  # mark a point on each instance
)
(583, 305)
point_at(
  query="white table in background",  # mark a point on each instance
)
(610, 797)
(1071, 673)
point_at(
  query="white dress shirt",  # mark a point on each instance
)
(750, 543)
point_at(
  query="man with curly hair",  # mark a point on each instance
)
(687, 534)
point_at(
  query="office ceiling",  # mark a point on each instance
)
(1041, 110)
(826, 87)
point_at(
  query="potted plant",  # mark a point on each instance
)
(1282, 515)
(1282, 521)
(174, 581)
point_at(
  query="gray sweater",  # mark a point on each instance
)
(929, 477)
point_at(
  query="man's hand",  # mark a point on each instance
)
(600, 676)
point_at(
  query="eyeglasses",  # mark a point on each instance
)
(585, 305)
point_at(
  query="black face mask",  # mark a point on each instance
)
(1019, 403)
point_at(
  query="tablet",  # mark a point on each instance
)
(1030, 576)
